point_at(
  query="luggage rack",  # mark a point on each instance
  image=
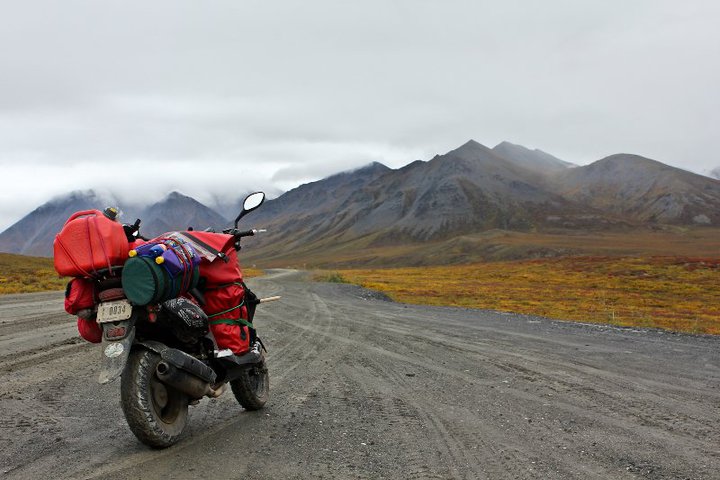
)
(108, 273)
(108, 278)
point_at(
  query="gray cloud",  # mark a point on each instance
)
(272, 94)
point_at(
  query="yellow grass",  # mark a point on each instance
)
(252, 272)
(675, 293)
(21, 274)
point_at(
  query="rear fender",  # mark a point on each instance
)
(117, 340)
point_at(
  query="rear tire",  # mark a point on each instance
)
(252, 388)
(156, 413)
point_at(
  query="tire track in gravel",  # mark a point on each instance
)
(469, 455)
(10, 326)
(577, 373)
(458, 446)
(294, 351)
(395, 385)
(40, 355)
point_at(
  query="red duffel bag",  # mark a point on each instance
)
(80, 299)
(227, 315)
(89, 329)
(224, 291)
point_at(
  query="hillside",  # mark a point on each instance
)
(466, 190)
(643, 190)
(22, 274)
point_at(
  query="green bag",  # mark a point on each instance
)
(146, 282)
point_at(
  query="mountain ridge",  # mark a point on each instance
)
(535, 159)
(179, 212)
(470, 189)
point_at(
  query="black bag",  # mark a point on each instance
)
(186, 320)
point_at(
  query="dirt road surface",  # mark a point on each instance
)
(365, 388)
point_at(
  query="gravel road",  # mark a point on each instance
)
(366, 388)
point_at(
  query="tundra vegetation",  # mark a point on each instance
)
(674, 293)
(21, 274)
(669, 292)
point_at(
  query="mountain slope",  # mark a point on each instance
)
(644, 190)
(535, 160)
(178, 212)
(312, 210)
(34, 233)
(323, 195)
(467, 190)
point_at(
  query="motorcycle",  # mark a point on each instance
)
(165, 358)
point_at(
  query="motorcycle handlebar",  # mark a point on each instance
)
(247, 233)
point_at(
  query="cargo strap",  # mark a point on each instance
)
(205, 246)
(70, 257)
(102, 242)
(231, 321)
(184, 256)
(242, 304)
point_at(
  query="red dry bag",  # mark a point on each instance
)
(224, 291)
(79, 295)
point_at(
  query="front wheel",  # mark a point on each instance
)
(252, 388)
(156, 414)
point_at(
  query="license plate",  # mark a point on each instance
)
(114, 311)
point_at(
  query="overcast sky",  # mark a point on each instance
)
(227, 96)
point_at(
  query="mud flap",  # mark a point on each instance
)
(115, 352)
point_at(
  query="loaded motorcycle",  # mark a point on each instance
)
(153, 321)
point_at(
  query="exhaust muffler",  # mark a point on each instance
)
(192, 386)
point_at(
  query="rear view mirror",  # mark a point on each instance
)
(252, 201)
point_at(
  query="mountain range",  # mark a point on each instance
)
(468, 190)
(34, 233)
